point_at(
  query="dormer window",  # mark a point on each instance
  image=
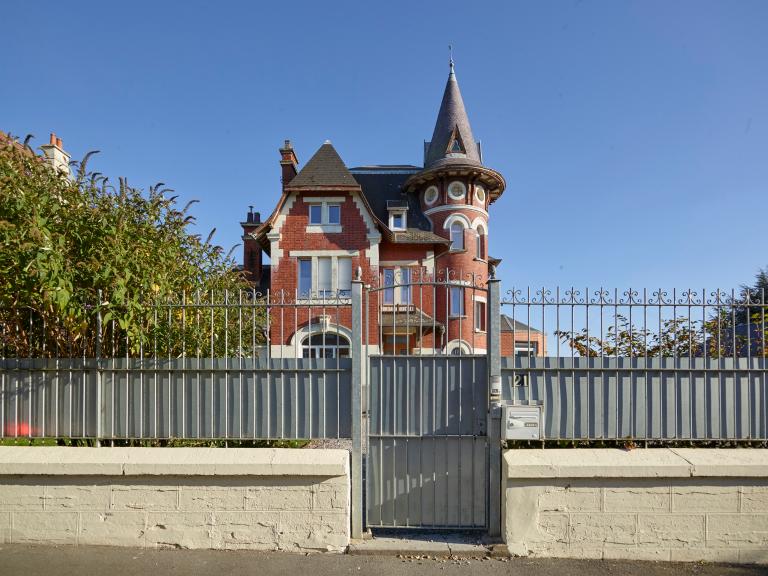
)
(397, 220)
(455, 145)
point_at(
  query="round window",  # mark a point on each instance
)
(430, 195)
(480, 194)
(457, 190)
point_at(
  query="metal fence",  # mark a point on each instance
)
(690, 365)
(427, 457)
(214, 366)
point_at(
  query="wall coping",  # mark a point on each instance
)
(638, 463)
(59, 460)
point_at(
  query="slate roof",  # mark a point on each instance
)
(381, 184)
(416, 236)
(451, 120)
(325, 168)
(509, 325)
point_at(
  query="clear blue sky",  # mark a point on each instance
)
(633, 135)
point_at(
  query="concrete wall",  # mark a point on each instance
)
(654, 504)
(264, 499)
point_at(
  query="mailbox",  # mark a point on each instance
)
(521, 422)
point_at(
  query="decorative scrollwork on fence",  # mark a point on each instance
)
(630, 297)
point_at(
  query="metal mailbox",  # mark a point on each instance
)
(521, 422)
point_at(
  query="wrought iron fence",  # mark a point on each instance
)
(688, 365)
(211, 366)
(415, 312)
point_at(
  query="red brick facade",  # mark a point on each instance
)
(418, 235)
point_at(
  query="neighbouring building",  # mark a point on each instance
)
(401, 227)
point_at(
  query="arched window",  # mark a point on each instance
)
(481, 243)
(325, 345)
(457, 236)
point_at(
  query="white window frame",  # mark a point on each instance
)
(303, 293)
(427, 192)
(480, 194)
(325, 226)
(392, 214)
(328, 212)
(397, 294)
(528, 349)
(458, 348)
(325, 349)
(336, 290)
(453, 196)
(316, 209)
(481, 243)
(454, 247)
(462, 312)
(483, 314)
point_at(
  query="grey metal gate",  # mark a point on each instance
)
(427, 458)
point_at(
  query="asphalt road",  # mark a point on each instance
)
(83, 561)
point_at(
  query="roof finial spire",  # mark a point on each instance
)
(450, 57)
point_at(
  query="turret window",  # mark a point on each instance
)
(457, 190)
(457, 236)
(480, 246)
(480, 194)
(430, 195)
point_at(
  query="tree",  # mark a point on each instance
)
(76, 249)
(736, 326)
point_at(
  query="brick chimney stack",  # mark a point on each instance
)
(252, 261)
(55, 155)
(288, 162)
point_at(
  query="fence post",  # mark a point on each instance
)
(494, 406)
(357, 410)
(99, 407)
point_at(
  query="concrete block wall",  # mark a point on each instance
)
(655, 504)
(176, 497)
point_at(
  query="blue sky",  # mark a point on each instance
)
(633, 135)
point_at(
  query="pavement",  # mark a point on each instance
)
(421, 543)
(87, 560)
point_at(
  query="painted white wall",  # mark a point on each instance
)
(645, 504)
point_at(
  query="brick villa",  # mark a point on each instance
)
(400, 226)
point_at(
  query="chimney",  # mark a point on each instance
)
(55, 155)
(252, 217)
(288, 163)
(252, 263)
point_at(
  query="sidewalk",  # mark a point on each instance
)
(84, 561)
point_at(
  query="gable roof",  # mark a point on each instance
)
(324, 169)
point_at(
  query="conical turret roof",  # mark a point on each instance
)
(452, 141)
